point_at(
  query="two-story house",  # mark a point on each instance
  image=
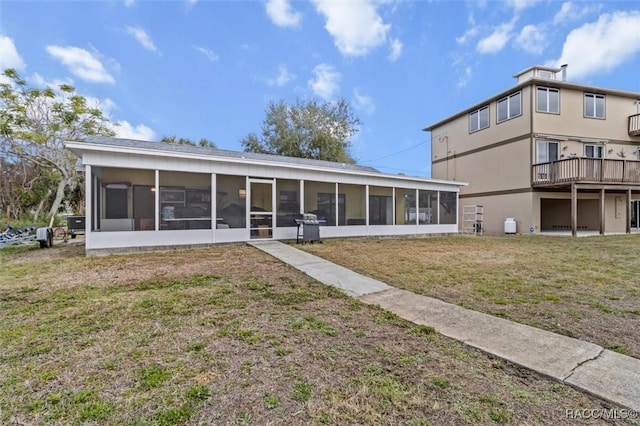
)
(552, 154)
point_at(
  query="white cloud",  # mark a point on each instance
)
(395, 50)
(519, 5)
(497, 40)
(39, 81)
(502, 33)
(465, 78)
(129, 3)
(10, 57)
(532, 39)
(363, 102)
(142, 37)
(122, 128)
(105, 105)
(281, 13)
(208, 53)
(81, 63)
(469, 34)
(125, 130)
(325, 83)
(283, 77)
(355, 26)
(609, 42)
(572, 12)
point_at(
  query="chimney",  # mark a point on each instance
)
(564, 71)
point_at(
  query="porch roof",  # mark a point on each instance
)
(97, 143)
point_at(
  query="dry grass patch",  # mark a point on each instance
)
(228, 335)
(587, 288)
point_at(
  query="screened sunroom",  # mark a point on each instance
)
(150, 195)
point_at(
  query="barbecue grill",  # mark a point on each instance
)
(308, 228)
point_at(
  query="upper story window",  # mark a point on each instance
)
(547, 100)
(593, 105)
(510, 107)
(479, 119)
(594, 151)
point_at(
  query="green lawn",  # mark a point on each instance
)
(588, 288)
(228, 335)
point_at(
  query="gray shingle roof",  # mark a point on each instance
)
(189, 149)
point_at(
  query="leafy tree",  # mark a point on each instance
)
(173, 140)
(311, 129)
(34, 123)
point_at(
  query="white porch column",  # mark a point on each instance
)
(274, 205)
(366, 205)
(247, 204)
(337, 201)
(88, 208)
(214, 205)
(393, 197)
(301, 196)
(417, 204)
(157, 199)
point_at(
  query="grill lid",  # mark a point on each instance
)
(307, 219)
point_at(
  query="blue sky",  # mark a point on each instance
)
(207, 69)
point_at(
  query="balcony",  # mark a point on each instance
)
(586, 170)
(634, 125)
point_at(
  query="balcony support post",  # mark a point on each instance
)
(574, 210)
(629, 211)
(602, 198)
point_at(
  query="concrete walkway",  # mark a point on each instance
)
(584, 365)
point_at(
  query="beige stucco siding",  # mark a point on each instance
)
(497, 208)
(571, 120)
(454, 137)
(501, 168)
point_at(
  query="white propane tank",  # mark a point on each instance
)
(510, 225)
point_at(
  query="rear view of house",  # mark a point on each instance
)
(143, 194)
(552, 154)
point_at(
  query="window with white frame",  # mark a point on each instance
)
(594, 105)
(479, 119)
(509, 107)
(547, 100)
(594, 151)
(546, 151)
